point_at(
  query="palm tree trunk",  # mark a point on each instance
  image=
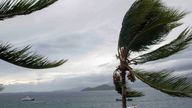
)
(124, 104)
(123, 68)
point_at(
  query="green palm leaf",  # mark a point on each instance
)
(24, 58)
(11, 8)
(179, 44)
(146, 23)
(21, 57)
(165, 82)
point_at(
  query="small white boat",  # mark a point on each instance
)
(132, 107)
(28, 98)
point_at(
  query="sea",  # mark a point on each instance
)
(92, 99)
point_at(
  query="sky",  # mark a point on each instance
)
(86, 33)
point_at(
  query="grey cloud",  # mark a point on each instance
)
(70, 45)
(74, 29)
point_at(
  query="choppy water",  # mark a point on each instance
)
(98, 99)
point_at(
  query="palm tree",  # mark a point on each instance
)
(22, 57)
(147, 23)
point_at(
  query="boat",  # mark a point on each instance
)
(132, 107)
(28, 98)
(128, 99)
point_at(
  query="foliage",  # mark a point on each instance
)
(167, 83)
(133, 93)
(180, 43)
(22, 57)
(147, 23)
(11, 8)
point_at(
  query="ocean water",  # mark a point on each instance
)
(96, 99)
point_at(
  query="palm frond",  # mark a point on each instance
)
(134, 93)
(146, 23)
(179, 44)
(11, 8)
(167, 83)
(24, 58)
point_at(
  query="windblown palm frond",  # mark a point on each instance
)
(23, 58)
(11, 8)
(179, 44)
(165, 82)
(134, 93)
(146, 23)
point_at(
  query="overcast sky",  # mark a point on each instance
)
(83, 31)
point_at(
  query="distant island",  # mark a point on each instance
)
(131, 93)
(99, 88)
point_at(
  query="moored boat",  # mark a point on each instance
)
(28, 98)
(132, 107)
(128, 99)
